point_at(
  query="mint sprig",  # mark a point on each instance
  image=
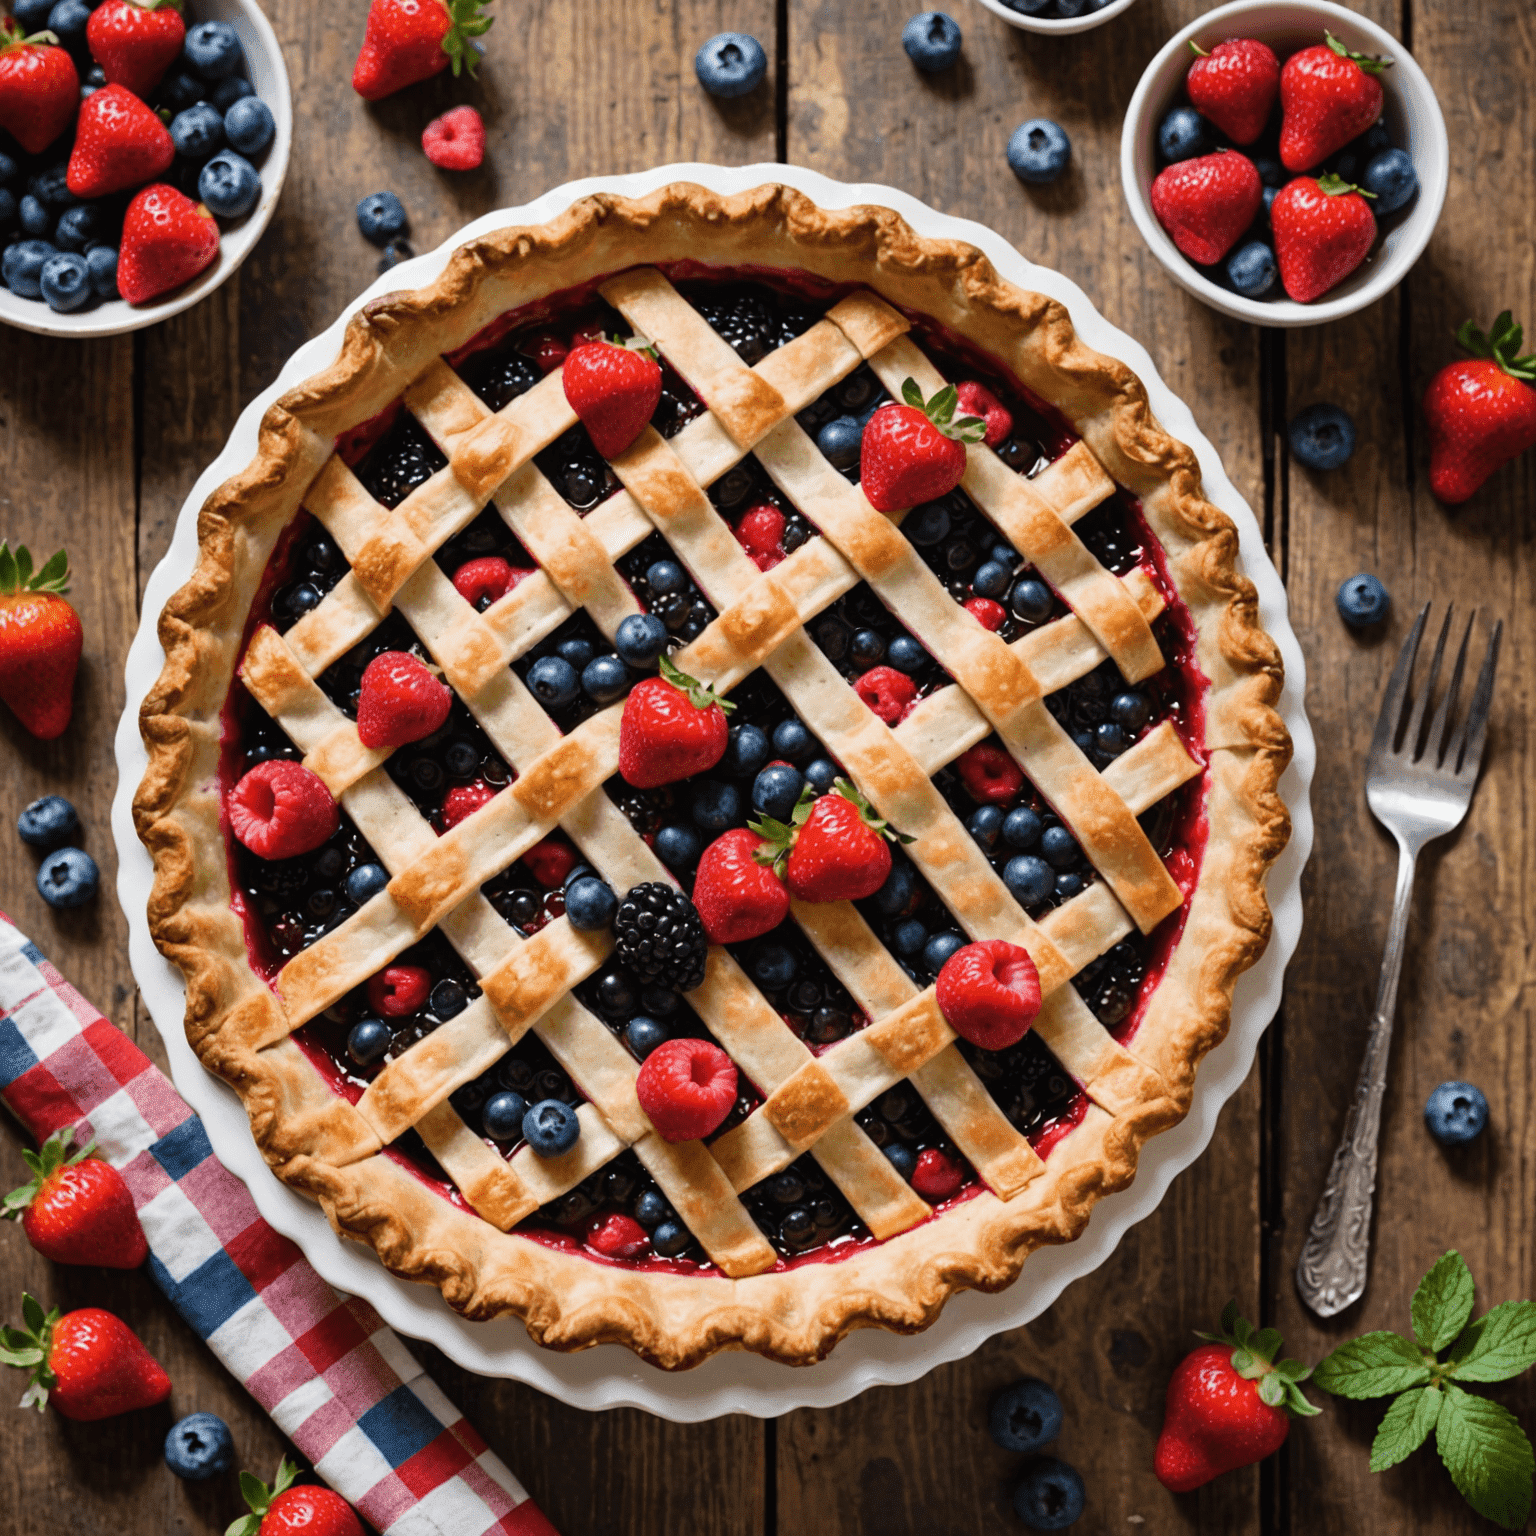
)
(940, 410)
(1481, 1442)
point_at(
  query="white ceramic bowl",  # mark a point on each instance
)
(1058, 26)
(237, 237)
(1411, 111)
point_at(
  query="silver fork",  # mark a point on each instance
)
(1418, 783)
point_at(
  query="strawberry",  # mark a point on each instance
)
(977, 400)
(167, 240)
(77, 1211)
(1328, 96)
(988, 614)
(119, 143)
(1206, 203)
(989, 993)
(990, 776)
(456, 140)
(891, 694)
(672, 728)
(738, 898)
(1229, 1405)
(39, 89)
(398, 990)
(399, 701)
(551, 860)
(485, 581)
(1323, 231)
(1235, 85)
(40, 640)
(87, 1363)
(280, 810)
(915, 452)
(1482, 412)
(937, 1175)
(547, 351)
(686, 1087)
(463, 800)
(761, 533)
(288, 1510)
(834, 849)
(135, 41)
(614, 387)
(618, 1237)
(410, 40)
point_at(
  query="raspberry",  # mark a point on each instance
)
(551, 861)
(990, 776)
(487, 579)
(400, 701)
(765, 560)
(761, 531)
(280, 810)
(456, 140)
(463, 800)
(988, 614)
(618, 1237)
(937, 1175)
(888, 692)
(989, 993)
(398, 990)
(687, 1087)
(977, 400)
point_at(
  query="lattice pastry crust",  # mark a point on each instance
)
(331, 1149)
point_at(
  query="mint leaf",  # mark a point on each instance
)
(1489, 1459)
(1443, 1302)
(1374, 1365)
(1406, 1426)
(1502, 1344)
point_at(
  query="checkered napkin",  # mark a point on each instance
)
(336, 1381)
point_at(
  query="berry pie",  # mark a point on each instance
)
(713, 778)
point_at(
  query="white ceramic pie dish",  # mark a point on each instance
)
(611, 1376)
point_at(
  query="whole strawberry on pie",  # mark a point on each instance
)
(672, 728)
(1329, 94)
(1323, 230)
(1206, 203)
(409, 40)
(738, 896)
(39, 88)
(915, 452)
(400, 701)
(614, 388)
(77, 1210)
(1235, 85)
(287, 1508)
(40, 641)
(136, 41)
(834, 847)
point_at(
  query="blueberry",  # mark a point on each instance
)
(101, 263)
(50, 186)
(553, 681)
(394, 253)
(448, 998)
(840, 440)
(664, 576)
(774, 966)
(908, 937)
(68, 21)
(550, 1127)
(1038, 151)
(1390, 175)
(1022, 827)
(1050, 1495)
(9, 211)
(939, 948)
(248, 124)
(365, 882)
(67, 878)
(716, 806)
(36, 220)
(775, 791)
(381, 217)
(48, 822)
(730, 64)
(1031, 600)
(992, 579)
(212, 51)
(927, 525)
(199, 1447)
(225, 94)
(899, 889)
(1059, 848)
(1271, 172)
(577, 652)
(932, 41)
(651, 1209)
(229, 185)
(1109, 739)
(1362, 601)
(1456, 1113)
(1025, 1416)
(985, 824)
(589, 904)
(1030, 880)
(678, 846)
(901, 1157)
(1322, 436)
(1068, 883)
(605, 680)
(640, 640)
(905, 654)
(79, 226)
(1182, 135)
(793, 742)
(179, 91)
(746, 751)
(670, 1239)
(867, 647)
(31, 15)
(1130, 711)
(198, 132)
(1252, 269)
(367, 1041)
(659, 1001)
(502, 1117)
(644, 1035)
(821, 773)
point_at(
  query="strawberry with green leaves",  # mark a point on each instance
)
(77, 1210)
(834, 848)
(1329, 94)
(39, 88)
(286, 1508)
(136, 41)
(410, 40)
(1324, 229)
(40, 640)
(614, 387)
(915, 452)
(672, 727)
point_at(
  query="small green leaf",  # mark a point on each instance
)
(1503, 1344)
(54, 576)
(1230, 1318)
(1293, 1370)
(1264, 1343)
(1405, 1427)
(32, 1312)
(246, 1525)
(7, 569)
(942, 406)
(1374, 1365)
(21, 1358)
(1243, 1362)
(1272, 1390)
(1443, 1302)
(23, 565)
(255, 1493)
(911, 393)
(1488, 1456)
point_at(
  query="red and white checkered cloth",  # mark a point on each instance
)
(335, 1379)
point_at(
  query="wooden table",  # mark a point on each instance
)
(102, 441)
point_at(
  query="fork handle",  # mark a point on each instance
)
(1331, 1271)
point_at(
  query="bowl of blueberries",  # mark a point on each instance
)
(1057, 17)
(224, 101)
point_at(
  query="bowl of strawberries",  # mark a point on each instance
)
(1286, 163)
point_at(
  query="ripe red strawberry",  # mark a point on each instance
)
(614, 389)
(1481, 412)
(485, 581)
(1235, 85)
(280, 810)
(87, 1363)
(167, 240)
(891, 694)
(40, 640)
(39, 89)
(835, 848)
(461, 801)
(687, 1087)
(456, 140)
(977, 400)
(990, 776)
(1229, 1405)
(989, 993)
(1328, 96)
(672, 728)
(618, 1237)
(988, 614)
(915, 452)
(400, 701)
(398, 990)
(551, 860)
(77, 1210)
(288, 1510)
(135, 41)
(1323, 231)
(1206, 203)
(410, 40)
(737, 897)
(119, 143)
(761, 533)
(937, 1175)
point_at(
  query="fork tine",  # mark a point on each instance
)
(1413, 737)
(1438, 739)
(1468, 749)
(1390, 718)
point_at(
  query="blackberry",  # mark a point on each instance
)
(401, 460)
(658, 935)
(742, 319)
(498, 377)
